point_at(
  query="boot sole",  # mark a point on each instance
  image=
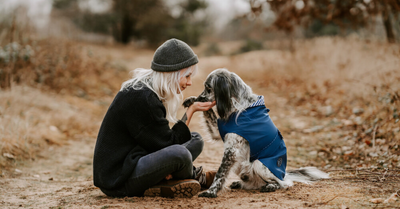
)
(184, 189)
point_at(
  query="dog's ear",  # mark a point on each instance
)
(222, 95)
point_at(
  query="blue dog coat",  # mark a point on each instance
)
(266, 142)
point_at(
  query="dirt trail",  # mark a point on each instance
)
(63, 177)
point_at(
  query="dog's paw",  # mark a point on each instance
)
(189, 101)
(208, 194)
(269, 188)
(202, 99)
(236, 185)
(245, 177)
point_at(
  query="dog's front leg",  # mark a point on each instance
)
(228, 160)
(211, 122)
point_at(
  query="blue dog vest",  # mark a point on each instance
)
(265, 140)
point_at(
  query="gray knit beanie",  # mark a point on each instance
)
(173, 55)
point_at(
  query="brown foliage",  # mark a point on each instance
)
(344, 13)
(31, 120)
(341, 98)
(355, 102)
(60, 66)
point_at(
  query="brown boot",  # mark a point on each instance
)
(205, 178)
(174, 188)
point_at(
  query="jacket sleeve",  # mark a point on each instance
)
(156, 134)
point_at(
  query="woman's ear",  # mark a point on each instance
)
(222, 95)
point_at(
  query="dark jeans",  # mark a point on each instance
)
(151, 169)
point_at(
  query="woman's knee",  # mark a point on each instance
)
(197, 141)
(180, 153)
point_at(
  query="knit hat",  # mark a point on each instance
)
(173, 55)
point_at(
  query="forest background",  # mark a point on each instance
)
(330, 71)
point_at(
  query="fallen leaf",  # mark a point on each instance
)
(349, 153)
(313, 129)
(376, 200)
(373, 154)
(8, 155)
(53, 128)
(347, 122)
(313, 153)
(392, 198)
(358, 110)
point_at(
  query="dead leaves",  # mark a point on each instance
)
(391, 199)
(376, 200)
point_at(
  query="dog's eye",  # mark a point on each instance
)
(208, 90)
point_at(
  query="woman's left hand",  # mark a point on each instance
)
(198, 106)
(202, 106)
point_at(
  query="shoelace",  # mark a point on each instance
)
(202, 178)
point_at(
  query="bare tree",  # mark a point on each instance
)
(344, 13)
(139, 18)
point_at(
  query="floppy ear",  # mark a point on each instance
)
(222, 95)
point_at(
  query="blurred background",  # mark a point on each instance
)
(332, 64)
(149, 23)
(329, 71)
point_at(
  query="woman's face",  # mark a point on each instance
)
(185, 80)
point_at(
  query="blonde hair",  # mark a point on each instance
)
(163, 84)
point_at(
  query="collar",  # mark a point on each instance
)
(259, 102)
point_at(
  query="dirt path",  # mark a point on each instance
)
(62, 178)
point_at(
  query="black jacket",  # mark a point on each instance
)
(134, 126)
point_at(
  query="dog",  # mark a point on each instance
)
(260, 162)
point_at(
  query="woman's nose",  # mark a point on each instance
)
(189, 82)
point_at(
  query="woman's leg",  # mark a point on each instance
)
(195, 145)
(153, 168)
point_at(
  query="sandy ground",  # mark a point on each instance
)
(62, 177)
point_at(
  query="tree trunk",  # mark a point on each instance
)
(126, 29)
(4, 79)
(388, 25)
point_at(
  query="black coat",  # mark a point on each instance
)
(134, 125)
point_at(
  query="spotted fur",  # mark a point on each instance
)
(233, 95)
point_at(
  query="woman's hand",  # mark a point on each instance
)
(198, 106)
(202, 106)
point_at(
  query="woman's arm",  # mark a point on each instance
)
(197, 106)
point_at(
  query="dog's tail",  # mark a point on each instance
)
(305, 175)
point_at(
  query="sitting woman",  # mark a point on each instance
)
(137, 153)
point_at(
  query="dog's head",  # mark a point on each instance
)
(227, 89)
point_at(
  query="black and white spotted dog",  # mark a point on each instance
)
(253, 146)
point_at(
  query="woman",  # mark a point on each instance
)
(137, 153)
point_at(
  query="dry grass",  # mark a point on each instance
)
(62, 66)
(342, 98)
(48, 95)
(30, 120)
(349, 89)
(313, 93)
